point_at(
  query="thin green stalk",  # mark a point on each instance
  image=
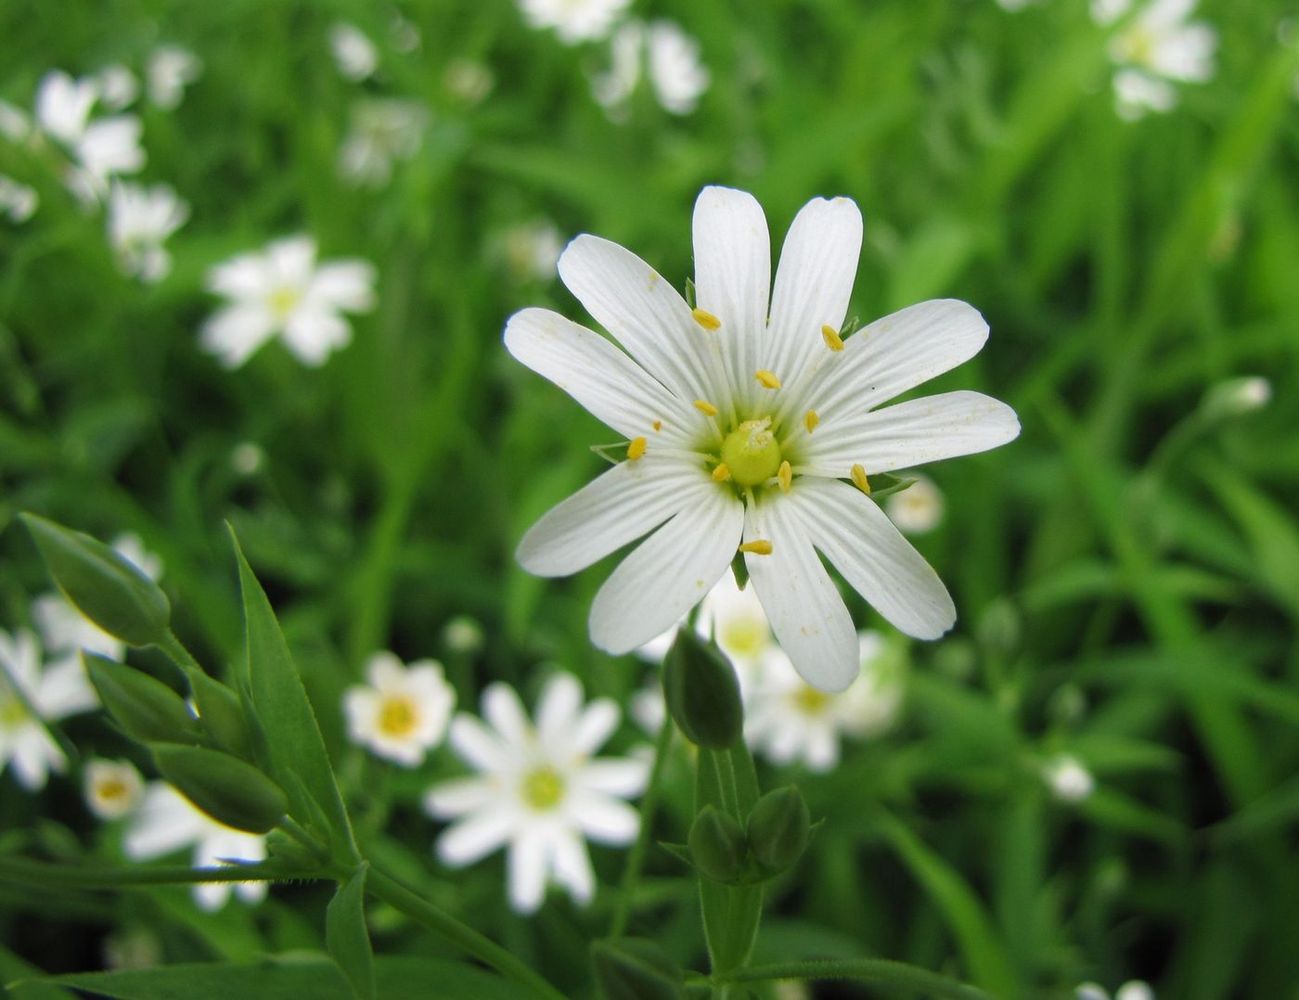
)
(862, 970)
(636, 857)
(43, 874)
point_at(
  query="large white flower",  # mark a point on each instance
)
(1158, 45)
(403, 713)
(140, 219)
(539, 790)
(166, 821)
(574, 20)
(283, 290)
(29, 694)
(753, 427)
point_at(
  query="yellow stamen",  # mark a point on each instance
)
(705, 319)
(810, 420)
(785, 476)
(657, 425)
(832, 338)
(636, 449)
(759, 547)
(721, 473)
(768, 379)
(397, 716)
(705, 407)
(859, 479)
(543, 789)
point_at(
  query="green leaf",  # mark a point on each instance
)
(865, 970)
(347, 937)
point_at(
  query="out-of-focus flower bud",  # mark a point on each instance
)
(702, 692)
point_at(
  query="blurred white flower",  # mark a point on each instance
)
(1134, 989)
(140, 219)
(1068, 779)
(14, 123)
(169, 71)
(283, 290)
(1158, 45)
(918, 508)
(166, 821)
(539, 791)
(463, 635)
(99, 149)
(468, 79)
(574, 20)
(247, 458)
(382, 131)
(1236, 397)
(647, 708)
(404, 711)
(17, 200)
(403, 34)
(29, 694)
(63, 106)
(112, 788)
(532, 250)
(670, 58)
(118, 87)
(354, 54)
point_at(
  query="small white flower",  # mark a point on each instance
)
(17, 200)
(532, 249)
(733, 617)
(574, 20)
(112, 788)
(118, 87)
(354, 54)
(1155, 47)
(247, 458)
(382, 132)
(283, 290)
(14, 123)
(1134, 989)
(1236, 397)
(671, 60)
(539, 790)
(99, 149)
(1068, 779)
(752, 426)
(63, 106)
(403, 713)
(468, 79)
(463, 635)
(140, 219)
(170, 70)
(647, 708)
(917, 509)
(29, 694)
(166, 821)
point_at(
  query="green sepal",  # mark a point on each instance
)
(702, 692)
(717, 846)
(144, 708)
(636, 969)
(221, 714)
(778, 829)
(690, 293)
(885, 484)
(741, 570)
(226, 788)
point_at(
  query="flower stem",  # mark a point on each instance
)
(43, 874)
(863, 970)
(636, 857)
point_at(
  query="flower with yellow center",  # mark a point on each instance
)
(403, 712)
(776, 462)
(112, 788)
(539, 790)
(1155, 47)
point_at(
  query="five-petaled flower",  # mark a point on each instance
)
(754, 423)
(403, 712)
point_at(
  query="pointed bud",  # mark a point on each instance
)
(227, 789)
(778, 829)
(702, 692)
(717, 847)
(221, 714)
(143, 707)
(105, 587)
(636, 969)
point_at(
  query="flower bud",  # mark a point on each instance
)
(221, 713)
(702, 692)
(143, 707)
(717, 847)
(779, 826)
(105, 587)
(636, 969)
(293, 853)
(227, 789)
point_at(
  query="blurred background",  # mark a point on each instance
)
(1090, 779)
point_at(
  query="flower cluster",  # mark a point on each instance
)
(1153, 49)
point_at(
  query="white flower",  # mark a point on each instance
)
(539, 790)
(169, 71)
(17, 200)
(752, 427)
(283, 290)
(29, 694)
(354, 54)
(100, 149)
(532, 250)
(63, 106)
(14, 124)
(918, 508)
(574, 20)
(468, 79)
(382, 131)
(403, 713)
(463, 634)
(647, 707)
(788, 720)
(735, 618)
(113, 788)
(166, 821)
(140, 219)
(1156, 46)
(1235, 397)
(118, 87)
(1068, 779)
(676, 74)
(1134, 989)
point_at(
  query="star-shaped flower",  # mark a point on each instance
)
(403, 712)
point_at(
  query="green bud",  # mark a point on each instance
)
(636, 969)
(717, 847)
(227, 789)
(702, 692)
(221, 713)
(778, 829)
(105, 587)
(143, 707)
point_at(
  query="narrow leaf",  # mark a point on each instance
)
(347, 937)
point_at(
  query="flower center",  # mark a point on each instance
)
(283, 300)
(751, 452)
(1138, 45)
(744, 637)
(543, 788)
(112, 790)
(397, 716)
(810, 701)
(13, 712)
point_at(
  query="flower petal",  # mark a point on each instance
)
(455, 798)
(344, 284)
(313, 332)
(572, 866)
(558, 708)
(596, 724)
(503, 710)
(603, 819)
(670, 572)
(475, 836)
(623, 777)
(476, 745)
(235, 332)
(527, 868)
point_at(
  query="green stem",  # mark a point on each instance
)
(863, 970)
(43, 874)
(636, 857)
(396, 895)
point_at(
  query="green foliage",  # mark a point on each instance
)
(226, 788)
(347, 936)
(143, 707)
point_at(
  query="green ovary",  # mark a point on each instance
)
(12, 712)
(543, 789)
(751, 453)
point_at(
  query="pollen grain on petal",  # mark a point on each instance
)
(832, 338)
(636, 449)
(721, 473)
(705, 319)
(705, 407)
(657, 425)
(810, 420)
(859, 479)
(785, 476)
(758, 547)
(768, 379)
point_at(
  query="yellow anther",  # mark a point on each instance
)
(721, 473)
(768, 379)
(810, 420)
(705, 319)
(759, 547)
(636, 449)
(832, 338)
(657, 425)
(705, 407)
(785, 476)
(859, 479)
